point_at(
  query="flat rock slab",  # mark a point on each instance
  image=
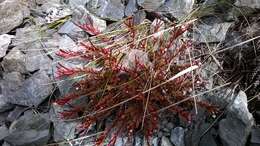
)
(33, 91)
(14, 61)
(12, 13)
(29, 130)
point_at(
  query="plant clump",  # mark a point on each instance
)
(130, 76)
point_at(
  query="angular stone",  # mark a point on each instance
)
(177, 136)
(5, 40)
(28, 138)
(233, 132)
(239, 109)
(62, 130)
(71, 30)
(30, 37)
(30, 129)
(12, 13)
(13, 80)
(255, 136)
(235, 129)
(37, 60)
(107, 9)
(30, 121)
(15, 114)
(14, 61)
(4, 106)
(139, 17)
(131, 8)
(150, 5)
(83, 16)
(211, 31)
(177, 8)
(3, 132)
(33, 91)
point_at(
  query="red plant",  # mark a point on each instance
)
(131, 78)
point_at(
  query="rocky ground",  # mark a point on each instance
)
(31, 31)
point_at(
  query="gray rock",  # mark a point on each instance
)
(28, 138)
(27, 36)
(29, 41)
(177, 136)
(239, 109)
(211, 32)
(107, 9)
(150, 5)
(3, 116)
(5, 40)
(248, 3)
(12, 13)
(15, 114)
(165, 141)
(71, 30)
(255, 136)
(139, 17)
(177, 8)
(6, 144)
(62, 130)
(235, 129)
(83, 16)
(233, 132)
(14, 61)
(3, 132)
(37, 60)
(29, 130)
(131, 8)
(13, 80)
(33, 91)
(66, 43)
(4, 106)
(30, 121)
(10, 83)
